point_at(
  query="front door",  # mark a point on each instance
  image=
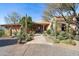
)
(39, 29)
(63, 27)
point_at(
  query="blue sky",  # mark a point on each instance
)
(33, 10)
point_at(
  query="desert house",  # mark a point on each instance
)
(36, 26)
(41, 26)
(62, 25)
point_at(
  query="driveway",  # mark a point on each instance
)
(39, 39)
(38, 47)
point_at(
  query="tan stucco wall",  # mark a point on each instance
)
(7, 32)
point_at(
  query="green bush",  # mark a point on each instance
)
(62, 33)
(48, 31)
(76, 37)
(71, 36)
(15, 34)
(22, 37)
(56, 41)
(57, 33)
(45, 33)
(60, 37)
(30, 36)
(31, 33)
(69, 41)
(73, 43)
(63, 36)
(2, 32)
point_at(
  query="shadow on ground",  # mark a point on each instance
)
(6, 42)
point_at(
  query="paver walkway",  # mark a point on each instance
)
(39, 39)
(38, 47)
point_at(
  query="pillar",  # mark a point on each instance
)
(43, 27)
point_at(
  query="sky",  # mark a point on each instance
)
(31, 9)
(35, 10)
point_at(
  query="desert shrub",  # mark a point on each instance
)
(25, 37)
(63, 35)
(22, 37)
(31, 36)
(57, 33)
(71, 36)
(76, 37)
(56, 41)
(66, 41)
(32, 33)
(45, 34)
(15, 34)
(60, 37)
(2, 32)
(73, 42)
(69, 41)
(48, 31)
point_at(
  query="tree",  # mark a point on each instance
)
(25, 22)
(23, 29)
(65, 10)
(12, 18)
(29, 22)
